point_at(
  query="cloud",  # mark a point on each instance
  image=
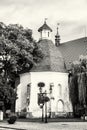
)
(71, 14)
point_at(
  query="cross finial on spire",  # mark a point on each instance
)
(45, 20)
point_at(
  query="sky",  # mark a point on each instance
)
(71, 14)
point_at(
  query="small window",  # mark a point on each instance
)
(28, 90)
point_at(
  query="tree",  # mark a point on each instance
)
(18, 53)
(78, 83)
(73, 91)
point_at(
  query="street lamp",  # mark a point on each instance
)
(45, 100)
(41, 98)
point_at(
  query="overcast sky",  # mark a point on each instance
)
(71, 14)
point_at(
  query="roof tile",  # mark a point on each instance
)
(71, 50)
(52, 61)
(44, 27)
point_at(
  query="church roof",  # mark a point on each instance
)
(71, 50)
(44, 26)
(52, 61)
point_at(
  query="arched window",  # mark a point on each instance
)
(28, 93)
(60, 106)
(28, 89)
(60, 89)
(48, 34)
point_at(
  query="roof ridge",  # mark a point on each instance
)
(44, 26)
(72, 40)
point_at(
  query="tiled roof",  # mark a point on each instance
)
(52, 60)
(44, 26)
(71, 50)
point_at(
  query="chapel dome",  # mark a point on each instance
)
(52, 61)
(44, 27)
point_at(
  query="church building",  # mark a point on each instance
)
(52, 71)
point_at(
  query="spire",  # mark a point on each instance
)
(57, 28)
(57, 37)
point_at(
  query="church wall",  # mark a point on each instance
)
(60, 92)
(21, 102)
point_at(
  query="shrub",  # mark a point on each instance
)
(12, 118)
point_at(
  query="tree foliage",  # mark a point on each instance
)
(18, 53)
(78, 82)
(19, 44)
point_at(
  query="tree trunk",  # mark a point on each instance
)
(74, 111)
(13, 106)
(4, 111)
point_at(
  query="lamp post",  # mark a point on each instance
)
(41, 103)
(46, 99)
(42, 107)
(41, 98)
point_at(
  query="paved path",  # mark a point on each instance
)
(44, 126)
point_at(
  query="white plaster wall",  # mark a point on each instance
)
(47, 77)
(21, 102)
(44, 34)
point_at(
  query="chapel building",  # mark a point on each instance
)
(53, 72)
